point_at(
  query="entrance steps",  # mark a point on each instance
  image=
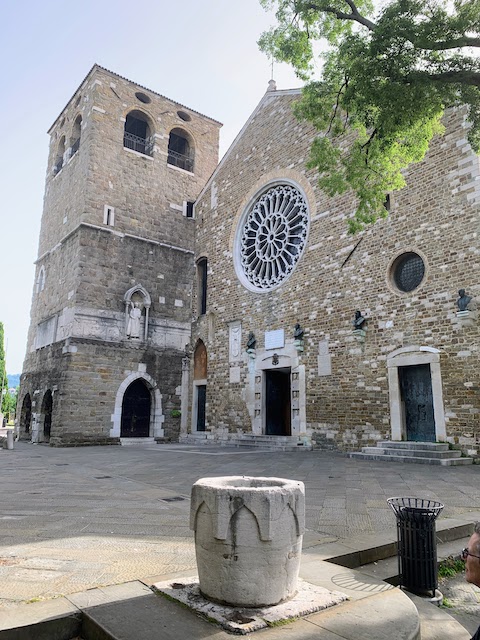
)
(418, 452)
(250, 441)
(130, 441)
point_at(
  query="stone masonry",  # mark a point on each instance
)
(344, 383)
(119, 237)
(114, 231)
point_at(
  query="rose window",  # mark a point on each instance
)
(273, 237)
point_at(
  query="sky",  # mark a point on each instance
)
(201, 53)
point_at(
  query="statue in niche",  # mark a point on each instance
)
(298, 332)
(251, 342)
(133, 325)
(358, 321)
(463, 300)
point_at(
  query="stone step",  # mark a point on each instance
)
(420, 453)
(131, 441)
(449, 462)
(408, 444)
(251, 441)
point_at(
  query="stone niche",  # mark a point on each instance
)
(248, 538)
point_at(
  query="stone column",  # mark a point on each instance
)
(248, 538)
(184, 391)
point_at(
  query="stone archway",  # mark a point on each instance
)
(199, 387)
(405, 360)
(136, 409)
(155, 428)
(26, 415)
(45, 421)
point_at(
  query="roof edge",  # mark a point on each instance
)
(267, 94)
(140, 86)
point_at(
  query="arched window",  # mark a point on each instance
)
(59, 157)
(138, 134)
(180, 150)
(41, 279)
(202, 286)
(199, 387)
(76, 135)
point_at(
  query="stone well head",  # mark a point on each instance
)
(248, 538)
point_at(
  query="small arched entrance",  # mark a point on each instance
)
(47, 408)
(199, 387)
(26, 414)
(136, 409)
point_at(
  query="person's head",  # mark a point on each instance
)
(461, 293)
(472, 557)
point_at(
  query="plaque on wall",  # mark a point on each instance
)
(324, 359)
(235, 341)
(275, 339)
(234, 374)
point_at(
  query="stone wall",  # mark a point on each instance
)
(85, 378)
(347, 398)
(114, 222)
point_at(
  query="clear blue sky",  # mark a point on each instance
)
(202, 53)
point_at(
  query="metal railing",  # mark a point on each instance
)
(138, 144)
(180, 160)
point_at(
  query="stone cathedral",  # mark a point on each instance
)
(181, 299)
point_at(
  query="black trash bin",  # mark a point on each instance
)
(417, 544)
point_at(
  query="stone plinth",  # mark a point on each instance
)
(248, 538)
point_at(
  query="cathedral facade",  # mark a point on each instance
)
(251, 313)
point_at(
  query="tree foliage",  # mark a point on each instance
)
(387, 76)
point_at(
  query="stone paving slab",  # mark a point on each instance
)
(65, 527)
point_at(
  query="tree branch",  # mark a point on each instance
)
(337, 104)
(464, 77)
(341, 15)
(456, 43)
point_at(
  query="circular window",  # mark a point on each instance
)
(143, 97)
(408, 271)
(272, 237)
(184, 116)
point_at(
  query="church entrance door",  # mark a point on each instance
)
(416, 392)
(278, 418)
(136, 408)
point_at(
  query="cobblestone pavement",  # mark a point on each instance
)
(72, 519)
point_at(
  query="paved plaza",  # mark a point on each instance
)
(76, 518)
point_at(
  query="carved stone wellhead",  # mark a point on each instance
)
(248, 538)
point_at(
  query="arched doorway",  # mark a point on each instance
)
(26, 414)
(47, 407)
(199, 387)
(136, 409)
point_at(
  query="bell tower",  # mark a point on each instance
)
(111, 304)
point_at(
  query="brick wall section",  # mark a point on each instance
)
(436, 215)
